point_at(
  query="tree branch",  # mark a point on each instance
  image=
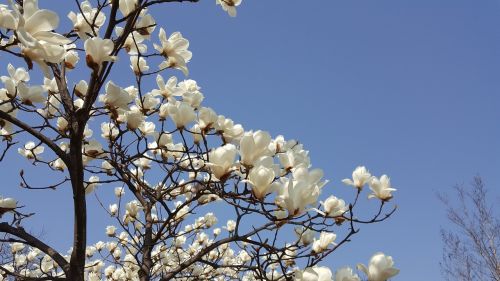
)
(44, 139)
(209, 248)
(147, 4)
(34, 242)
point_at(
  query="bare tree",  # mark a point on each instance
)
(471, 250)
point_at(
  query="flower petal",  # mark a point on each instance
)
(42, 20)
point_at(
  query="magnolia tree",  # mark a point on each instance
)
(175, 167)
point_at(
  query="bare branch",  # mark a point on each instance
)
(44, 139)
(34, 242)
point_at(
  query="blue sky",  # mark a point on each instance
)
(406, 88)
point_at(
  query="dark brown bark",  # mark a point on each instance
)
(36, 243)
(77, 261)
(147, 262)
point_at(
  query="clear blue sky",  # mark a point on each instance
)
(407, 88)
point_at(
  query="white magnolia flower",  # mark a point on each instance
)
(127, 6)
(30, 95)
(175, 50)
(380, 268)
(108, 272)
(261, 177)
(110, 230)
(254, 145)
(10, 90)
(78, 103)
(305, 235)
(64, 146)
(50, 85)
(315, 273)
(169, 89)
(229, 6)
(174, 151)
(133, 43)
(231, 133)
(134, 118)
(132, 91)
(294, 196)
(146, 24)
(231, 225)
(81, 88)
(113, 209)
(163, 111)
(92, 149)
(300, 191)
(274, 274)
(88, 21)
(334, 206)
(115, 96)
(360, 177)
(148, 103)
(119, 191)
(87, 132)
(8, 203)
(51, 107)
(290, 254)
(32, 255)
(92, 184)
(197, 134)
(293, 157)
(107, 167)
(381, 188)
(164, 139)
(58, 164)
(117, 253)
(71, 57)
(179, 241)
(16, 247)
(6, 127)
(280, 214)
(206, 117)
(191, 92)
(47, 264)
(138, 65)
(35, 32)
(222, 160)
(100, 245)
(210, 219)
(98, 50)
(16, 74)
(346, 274)
(325, 240)
(90, 251)
(132, 208)
(30, 150)
(144, 162)
(147, 128)
(8, 19)
(62, 124)
(181, 212)
(181, 113)
(109, 131)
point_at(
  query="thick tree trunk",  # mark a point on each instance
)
(147, 262)
(77, 261)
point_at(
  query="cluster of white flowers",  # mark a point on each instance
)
(207, 157)
(381, 187)
(380, 268)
